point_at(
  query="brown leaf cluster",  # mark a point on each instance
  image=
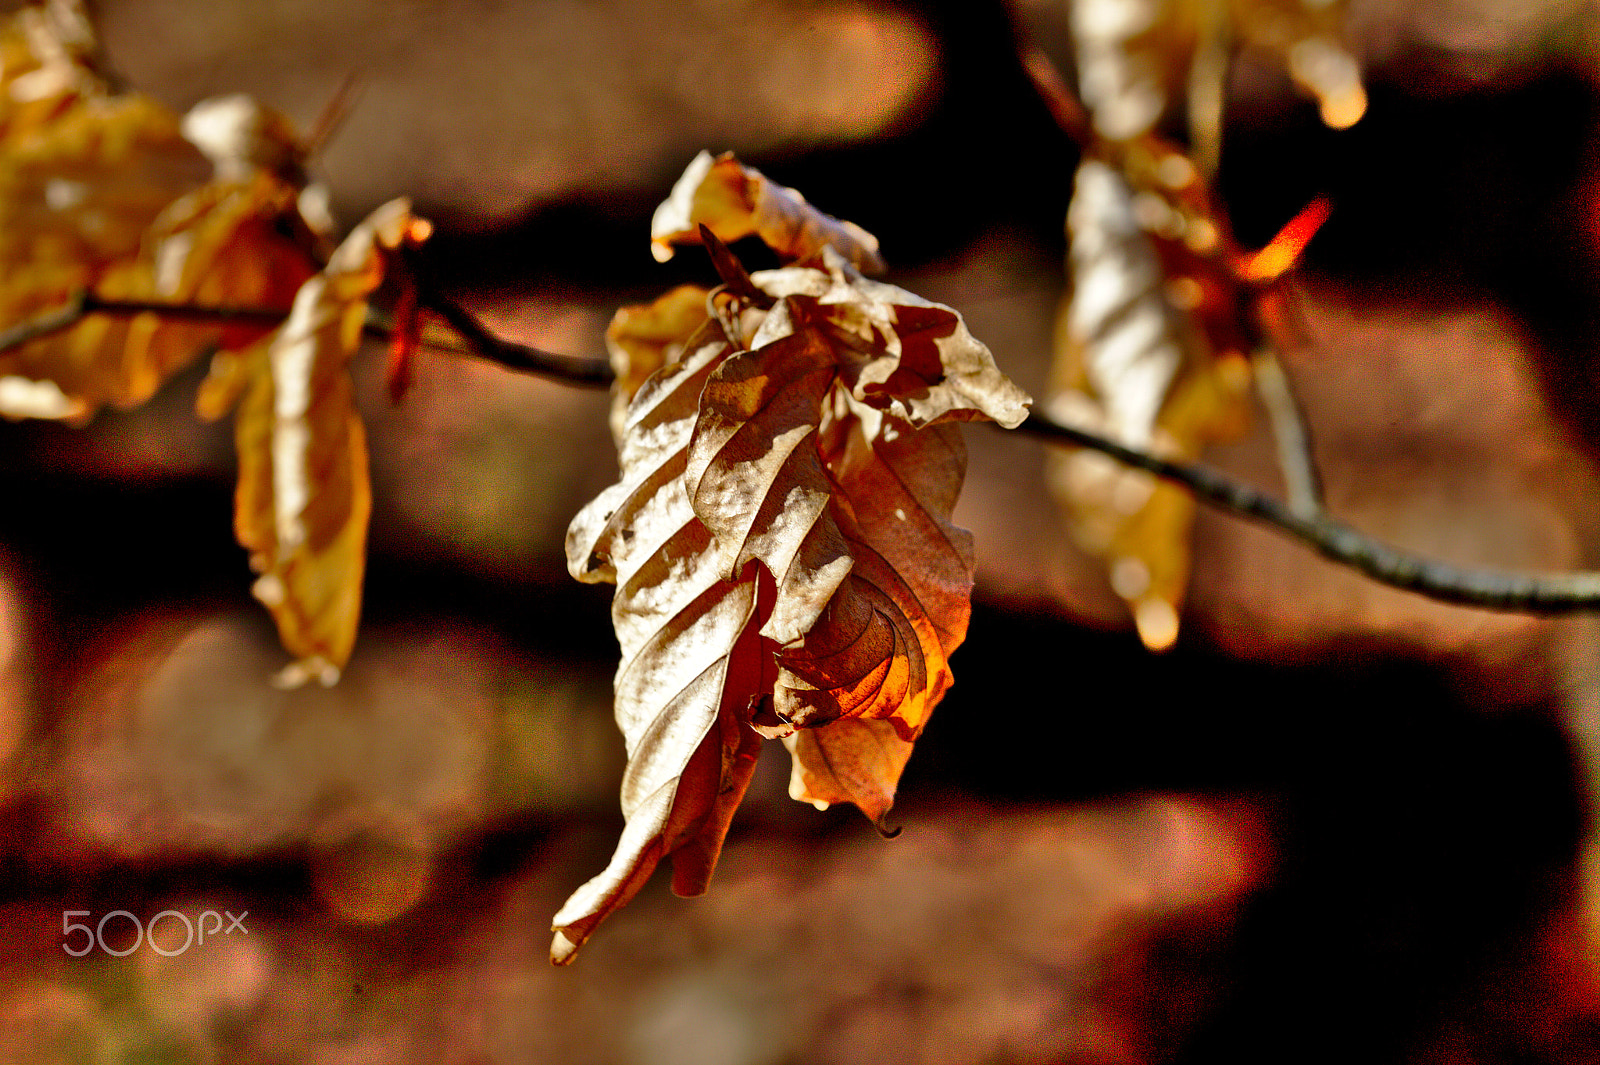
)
(109, 192)
(781, 543)
(1155, 338)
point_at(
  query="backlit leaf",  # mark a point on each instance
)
(1154, 368)
(781, 544)
(105, 192)
(303, 497)
(854, 760)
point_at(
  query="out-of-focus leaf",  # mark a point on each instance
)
(1307, 36)
(103, 191)
(735, 201)
(1149, 352)
(781, 544)
(1153, 344)
(303, 497)
(1139, 59)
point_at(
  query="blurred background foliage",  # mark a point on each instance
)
(1337, 823)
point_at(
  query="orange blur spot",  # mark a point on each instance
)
(1285, 249)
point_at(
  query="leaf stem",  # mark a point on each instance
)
(1289, 431)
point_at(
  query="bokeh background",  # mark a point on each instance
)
(1336, 823)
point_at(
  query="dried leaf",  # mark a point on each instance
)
(303, 497)
(1150, 374)
(1139, 59)
(1307, 35)
(1153, 343)
(735, 201)
(645, 337)
(103, 191)
(781, 543)
(854, 760)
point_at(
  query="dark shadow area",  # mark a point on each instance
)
(981, 152)
(1422, 842)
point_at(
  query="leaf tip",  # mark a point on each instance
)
(296, 674)
(562, 950)
(1157, 622)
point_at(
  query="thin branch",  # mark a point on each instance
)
(479, 341)
(571, 369)
(1289, 432)
(1058, 97)
(82, 304)
(1517, 592)
(52, 321)
(1525, 593)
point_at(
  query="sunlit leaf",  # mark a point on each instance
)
(646, 337)
(781, 544)
(106, 192)
(855, 760)
(735, 201)
(303, 497)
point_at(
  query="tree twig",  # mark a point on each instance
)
(1524, 593)
(479, 341)
(589, 373)
(82, 304)
(1289, 432)
(1527, 593)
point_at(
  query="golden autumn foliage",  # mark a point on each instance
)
(108, 194)
(781, 543)
(780, 535)
(111, 193)
(304, 495)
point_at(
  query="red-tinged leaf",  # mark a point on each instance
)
(401, 371)
(1149, 374)
(855, 760)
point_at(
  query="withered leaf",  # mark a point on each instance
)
(855, 760)
(303, 496)
(1139, 59)
(1149, 352)
(104, 191)
(781, 543)
(735, 201)
(643, 338)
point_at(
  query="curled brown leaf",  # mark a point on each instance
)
(781, 543)
(303, 497)
(735, 201)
